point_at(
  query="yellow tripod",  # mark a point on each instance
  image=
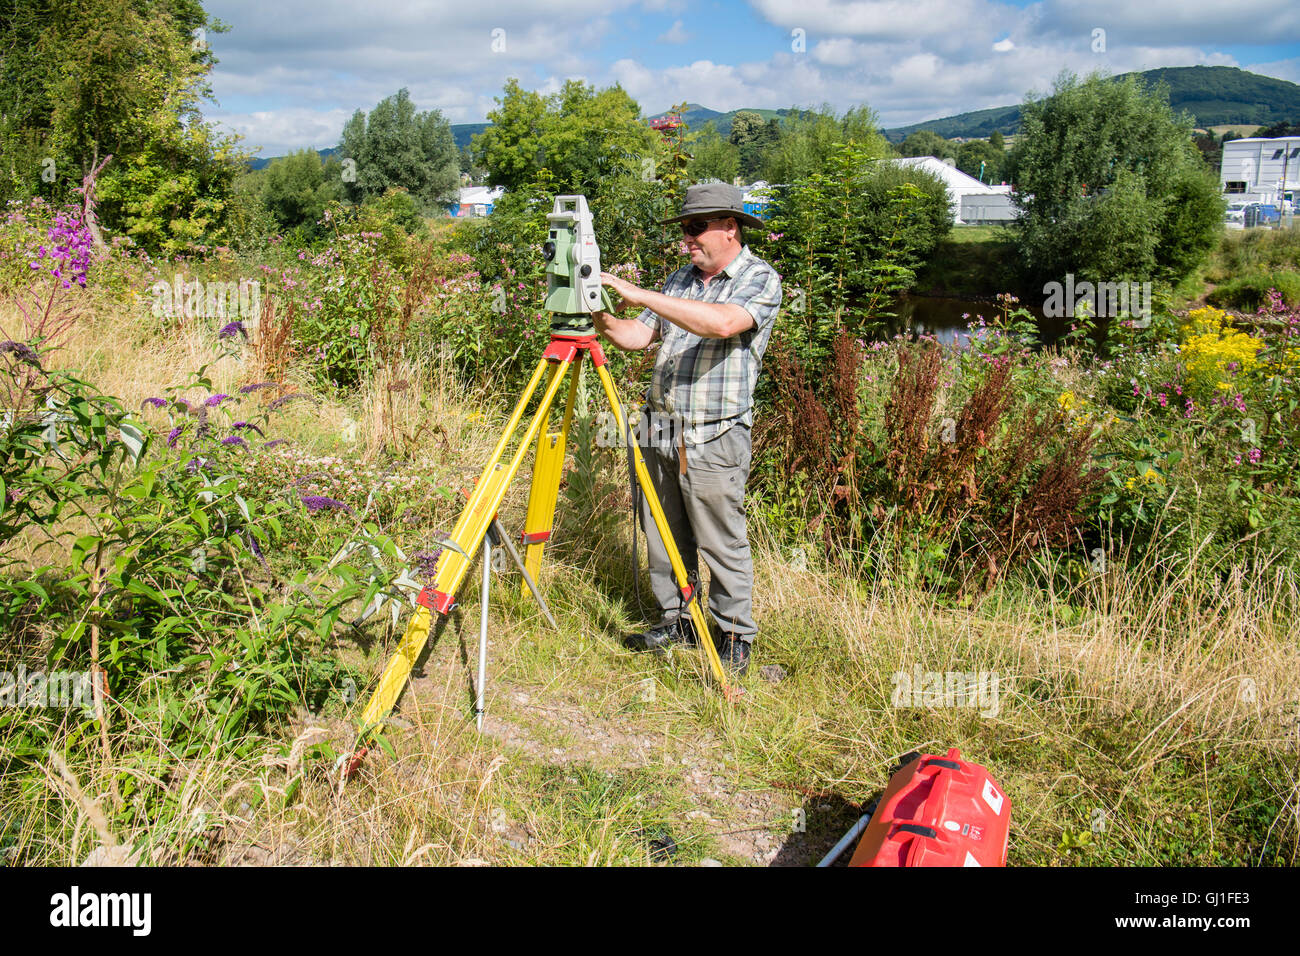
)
(562, 354)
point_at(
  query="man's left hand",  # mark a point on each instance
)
(631, 294)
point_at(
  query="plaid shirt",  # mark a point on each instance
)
(709, 383)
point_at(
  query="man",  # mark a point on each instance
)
(714, 318)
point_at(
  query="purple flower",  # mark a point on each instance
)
(230, 330)
(234, 440)
(277, 441)
(21, 351)
(426, 562)
(286, 399)
(213, 401)
(154, 402)
(174, 434)
(240, 426)
(315, 503)
(1254, 455)
(246, 389)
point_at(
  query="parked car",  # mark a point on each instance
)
(1235, 216)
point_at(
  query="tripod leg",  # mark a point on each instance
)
(467, 535)
(529, 583)
(481, 683)
(548, 467)
(491, 489)
(698, 617)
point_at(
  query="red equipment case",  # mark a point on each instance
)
(937, 811)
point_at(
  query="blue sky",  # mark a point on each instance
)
(292, 71)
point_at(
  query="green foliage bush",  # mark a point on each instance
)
(1250, 291)
(846, 241)
(298, 188)
(1109, 185)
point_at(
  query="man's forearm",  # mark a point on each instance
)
(709, 320)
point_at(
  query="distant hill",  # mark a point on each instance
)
(461, 132)
(262, 163)
(1215, 95)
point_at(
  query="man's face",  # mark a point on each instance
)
(714, 247)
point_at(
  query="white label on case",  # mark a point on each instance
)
(992, 797)
(970, 860)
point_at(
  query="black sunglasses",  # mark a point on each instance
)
(698, 226)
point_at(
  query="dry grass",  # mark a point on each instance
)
(1163, 703)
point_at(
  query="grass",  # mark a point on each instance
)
(973, 261)
(1243, 267)
(1142, 718)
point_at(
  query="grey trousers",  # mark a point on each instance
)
(705, 509)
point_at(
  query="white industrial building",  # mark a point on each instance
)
(1261, 170)
(971, 201)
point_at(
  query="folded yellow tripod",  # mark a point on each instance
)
(573, 293)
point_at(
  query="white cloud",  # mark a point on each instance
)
(282, 131)
(1281, 69)
(1160, 22)
(675, 34)
(880, 19)
(291, 72)
(840, 51)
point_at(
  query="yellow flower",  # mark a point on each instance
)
(1066, 401)
(1211, 345)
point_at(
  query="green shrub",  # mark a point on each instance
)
(1246, 293)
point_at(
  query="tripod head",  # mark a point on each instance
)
(573, 289)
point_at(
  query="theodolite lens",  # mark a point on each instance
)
(548, 250)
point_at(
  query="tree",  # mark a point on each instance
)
(1281, 128)
(1092, 159)
(849, 239)
(808, 139)
(748, 136)
(997, 141)
(396, 147)
(84, 79)
(569, 141)
(926, 142)
(981, 159)
(714, 158)
(509, 149)
(297, 188)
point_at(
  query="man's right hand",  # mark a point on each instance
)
(628, 334)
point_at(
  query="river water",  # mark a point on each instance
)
(943, 318)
